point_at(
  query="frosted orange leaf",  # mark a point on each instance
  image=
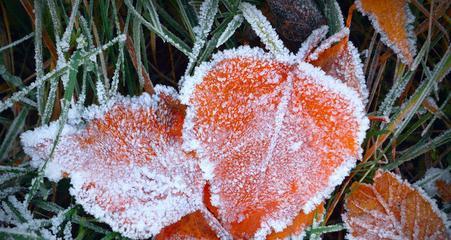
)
(392, 209)
(273, 137)
(392, 19)
(444, 190)
(126, 164)
(338, 57)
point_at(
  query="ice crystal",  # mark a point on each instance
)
(311, 42)
(17, 220)
(264, 30)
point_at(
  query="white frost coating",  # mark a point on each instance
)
(264, 128)
(312, 42)
(340, 15)
(358, 71)
(344, 32)
(230, 29)
(207, 14)
(264, 30)
(428, 182)
(384, 38)
(126, 164)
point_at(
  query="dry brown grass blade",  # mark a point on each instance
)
(148, 86)
(28, 6)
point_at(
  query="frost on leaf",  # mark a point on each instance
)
(312, 41)
(274, 138)
(392, 209)
(126, 164)
(393, 20)
(339, 58)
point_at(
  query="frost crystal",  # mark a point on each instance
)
(311, 42)
(126, 164)
(273, 133)
(264, 30)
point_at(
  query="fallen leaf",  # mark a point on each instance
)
(274, 137)
(126, 164)
(393, 20)
(392, 209)
(339, 58)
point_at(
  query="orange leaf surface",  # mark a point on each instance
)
(338, 57)
(392, 209)
(273, 137)
(126, 164)
(392, 19)
(192, 226)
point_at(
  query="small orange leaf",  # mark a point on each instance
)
(392, 209)
(192, 226)
(300, 223)
(392, 19)
(273, 137)
(338, 57)
(444, 190)
(126, 164)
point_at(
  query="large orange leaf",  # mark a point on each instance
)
(392, 19)
(274, 137)
(126, 164)
(338, 57)
(392, 209)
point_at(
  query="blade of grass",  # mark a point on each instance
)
(419, 149)
(17, 42)
(13, 132)
(164, 34)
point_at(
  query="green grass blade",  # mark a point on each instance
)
(419, 149)
(13, 132)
